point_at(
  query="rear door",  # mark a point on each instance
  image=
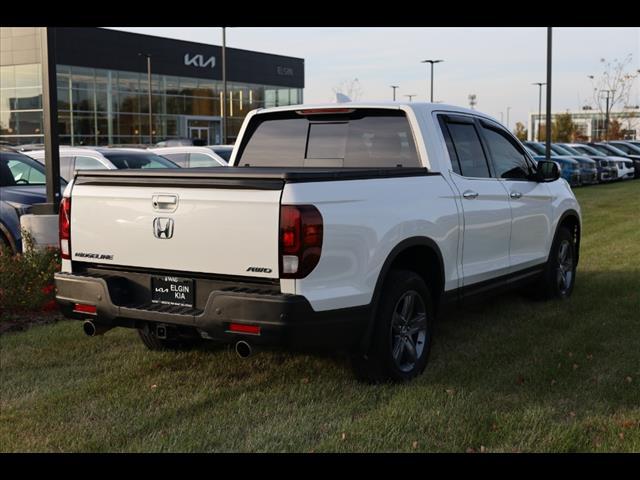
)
(484, 200)
(530, 201)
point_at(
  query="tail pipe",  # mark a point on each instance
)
(91, 329)
(243, 349)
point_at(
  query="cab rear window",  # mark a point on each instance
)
(360, 138)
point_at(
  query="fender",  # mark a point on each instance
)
(568, 213)
(393, 255)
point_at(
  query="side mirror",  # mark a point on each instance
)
(547, 171)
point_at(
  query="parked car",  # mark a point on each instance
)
(625, 162)
(191, 157)
(22, 183)
(588, 168)
(569, 168)
(607, 170)
(630, 152)
(175, 142)
(223, 151)
(624, 172)
(352, 238)
(103, 158)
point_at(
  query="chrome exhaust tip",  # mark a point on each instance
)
(92, 329)
(243, 349)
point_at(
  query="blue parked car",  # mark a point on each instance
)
(588, 168)
(22, 183)
(569, 169)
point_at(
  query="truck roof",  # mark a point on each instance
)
(422, 107)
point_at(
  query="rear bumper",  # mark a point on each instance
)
(285, 320)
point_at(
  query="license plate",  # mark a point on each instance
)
(172, 291)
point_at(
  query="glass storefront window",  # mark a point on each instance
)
(82, 100)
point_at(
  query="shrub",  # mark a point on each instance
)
(26, 279)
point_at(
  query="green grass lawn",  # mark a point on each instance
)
(508, 375)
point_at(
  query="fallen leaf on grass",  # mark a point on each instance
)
(154, 386)
(305, 380)
(628, 379)
(414, 445)
(575, 366)
(621, 435)
(572, 414)
(451, 391)
(344, 436)
(471, 450)
(482, 449)
(553, 382)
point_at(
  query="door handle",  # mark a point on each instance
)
(165, 202)
(515, 195)
(470, 194)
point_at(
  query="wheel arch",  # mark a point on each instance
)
(419, 254)
(570, 219)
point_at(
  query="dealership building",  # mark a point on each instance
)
(103, 87)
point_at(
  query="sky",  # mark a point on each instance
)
(498, 65)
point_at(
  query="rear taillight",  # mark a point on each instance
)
(65, 228)
(300, 240)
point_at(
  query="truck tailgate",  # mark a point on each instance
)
(217, 230)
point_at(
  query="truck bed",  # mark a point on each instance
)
(261, 178)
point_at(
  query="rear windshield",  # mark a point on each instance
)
(138, 160)
(360, 138)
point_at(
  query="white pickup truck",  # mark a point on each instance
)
(341, 226)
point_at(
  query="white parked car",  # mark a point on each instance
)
(369, 218)
(103, 158)
(190, 157)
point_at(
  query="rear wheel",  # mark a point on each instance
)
(402, 333)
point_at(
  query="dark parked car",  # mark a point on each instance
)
(22, 183)
(569, 169)
(588, 168)
(607, 169)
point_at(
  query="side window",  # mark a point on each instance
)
(508, 160)
(468, 149)
(88, 163)
(201, 160)
(177, 158)
(25, 174)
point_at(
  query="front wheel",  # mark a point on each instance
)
(403, 329)
(560, 273)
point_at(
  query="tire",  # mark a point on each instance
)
(152, 342)
(401, 342)
(560, 272)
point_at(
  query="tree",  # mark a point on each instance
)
(615, 83)
(520, 132)
(350, 88)
(565, 129)
(616, 131)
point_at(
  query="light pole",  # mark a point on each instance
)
(606, 117)
(432, 62)
(149, 95)
(411, 95)
(540, 84)
(508, 108)
(224, 86)
(394, 91)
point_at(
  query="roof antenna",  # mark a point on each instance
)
(342, 98)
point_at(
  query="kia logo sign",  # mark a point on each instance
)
(199, 61)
